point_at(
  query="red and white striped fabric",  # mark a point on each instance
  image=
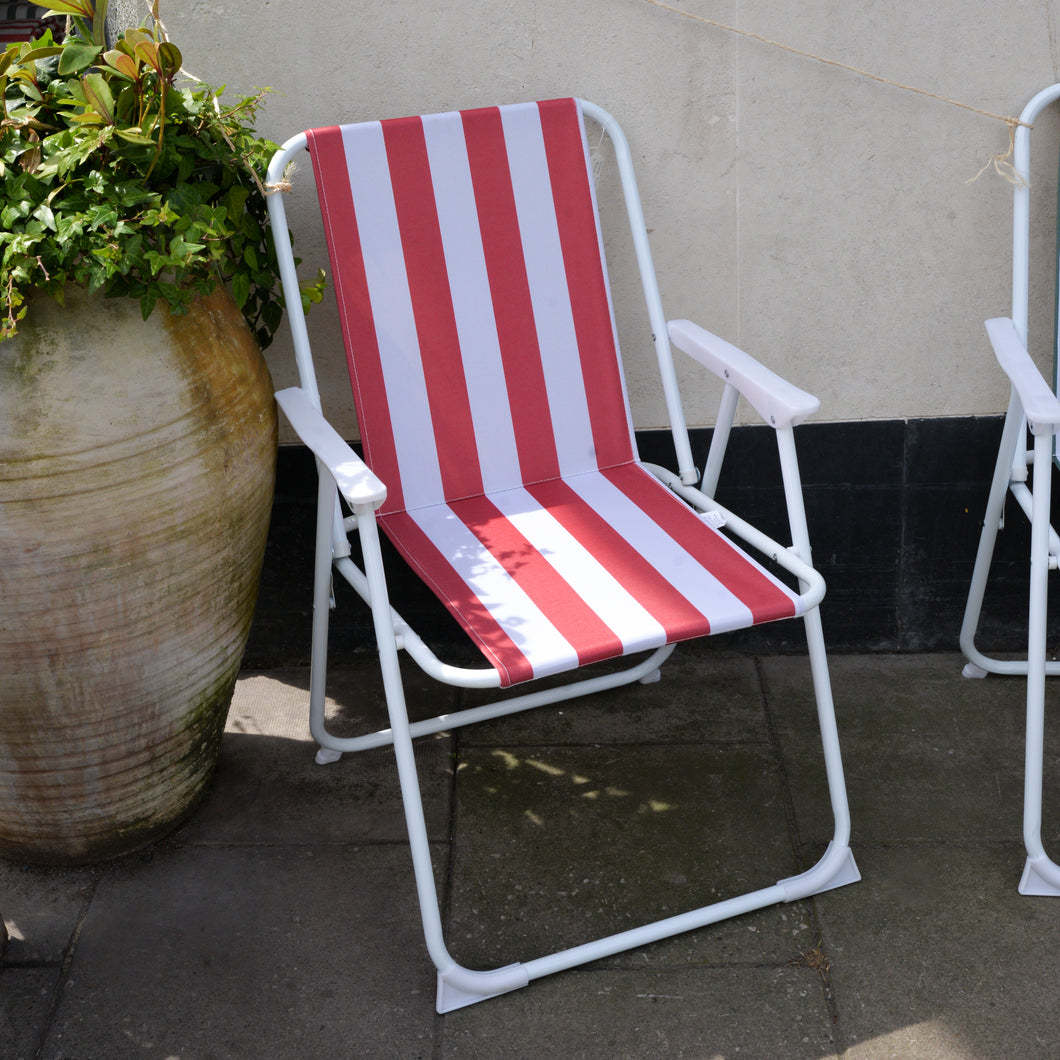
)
(23, 21)
(21, 30)
(469, 270)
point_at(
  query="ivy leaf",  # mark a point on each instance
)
(181, 249)
(147, 302)
(44, 214)
(240, 288)
(236, 202)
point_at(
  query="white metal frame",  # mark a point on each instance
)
(780, 404)
(1033, 407)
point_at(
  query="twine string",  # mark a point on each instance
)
(284, 185)
(1000, 163)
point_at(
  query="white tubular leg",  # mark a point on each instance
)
(318, 668)
(1040, 876)
(1010, 438)
(839, 860)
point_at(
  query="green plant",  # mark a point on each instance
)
(119, 175)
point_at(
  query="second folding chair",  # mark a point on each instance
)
(1033, 407)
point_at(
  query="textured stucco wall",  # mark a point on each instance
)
(823, 220)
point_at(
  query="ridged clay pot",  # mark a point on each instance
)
(137, 463)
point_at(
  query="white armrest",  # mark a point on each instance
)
(777, 401)
(1040, 404)
(355, 479)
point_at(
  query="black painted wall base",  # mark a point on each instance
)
(895, 509)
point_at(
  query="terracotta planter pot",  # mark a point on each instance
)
(137, 462)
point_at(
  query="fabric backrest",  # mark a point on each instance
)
(469, 270)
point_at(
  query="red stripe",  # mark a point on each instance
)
(439, 343)
(16, 31)
(586, 279)
(576, 622)
(758, 592)
(510, 292)
(331, 171)
(679, 618)
(424, 557)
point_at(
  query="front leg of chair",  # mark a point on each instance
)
(837, 867)
(1041, 875)
(457, 986)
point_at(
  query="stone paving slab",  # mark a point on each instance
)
(249, 952)
(747, 1012)
(703, 694)
(280, 920)
(558, 845)
(268, 789)
(955, 964)
(25, 1004)
(41, 908)
(929, 755)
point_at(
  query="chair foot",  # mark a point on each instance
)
(327, 755)
(972, 670)
(459, 987)
(1041, 877)
(652, 678)
(836, 868)
(846, 872)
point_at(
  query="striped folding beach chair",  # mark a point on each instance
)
(499, 455)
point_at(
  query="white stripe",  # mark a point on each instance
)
(588, 578)
(537, 638)
(694, 582)
(472, 305)
(549, 294)
(388, 288)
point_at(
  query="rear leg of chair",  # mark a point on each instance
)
(322, 604)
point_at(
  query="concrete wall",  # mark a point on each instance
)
(822, 220)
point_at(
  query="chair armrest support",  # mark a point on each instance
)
(777, 401)
(355, 480)
(1040, 404)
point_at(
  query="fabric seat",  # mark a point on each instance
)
(499, 453)
(573, 571)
